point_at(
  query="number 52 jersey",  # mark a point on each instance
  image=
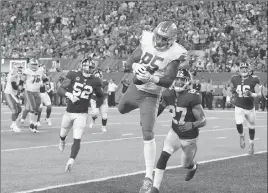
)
(82, 88)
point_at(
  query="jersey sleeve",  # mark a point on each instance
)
(70, 75)
(196, 99)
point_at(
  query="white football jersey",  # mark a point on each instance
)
(11, 77)
(157, 60)
(34, 79)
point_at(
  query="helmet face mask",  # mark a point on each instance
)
(165, 34)
(244, 69)
(87, 67)
(33, 64)
(182, 81)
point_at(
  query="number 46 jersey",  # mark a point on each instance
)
(180, 106)
(83, 88)
(241, 86)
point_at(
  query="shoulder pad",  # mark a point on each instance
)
(145, 36)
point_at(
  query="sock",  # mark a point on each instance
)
(149, 156)
(39, 115)
(31, 116)
(75, 148)
(63, 138)
(48, 111)
(251, 133)
(160, 169)
(14, 117)
(158, 176)
(104, 122)
(239, 128)
(64, 132)
(24, 114)
(13, 123)
(94, 118)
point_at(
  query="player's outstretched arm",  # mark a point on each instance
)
(134, 58)
(63, 87)
(199, 115)
(169, 75)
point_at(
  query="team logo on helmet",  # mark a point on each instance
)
(165, 34)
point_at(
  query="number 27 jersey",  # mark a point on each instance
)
(82, 88)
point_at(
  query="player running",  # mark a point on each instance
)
(155, 64)
(11, 91)
(34, 77)
(245, 88)
(188, 117)
(78, 87)
(103, 109)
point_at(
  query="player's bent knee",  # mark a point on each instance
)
(169, 148)
(251, 125)
(147, 135)
(77, 133)
(104, 116)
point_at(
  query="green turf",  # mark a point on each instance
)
(239, 175)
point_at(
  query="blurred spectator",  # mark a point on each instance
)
(203, 90)
(111, 93)
(209, 94)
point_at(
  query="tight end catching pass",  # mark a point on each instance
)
(245, 88)
(78, 87)
(188, 117)
(155, 64)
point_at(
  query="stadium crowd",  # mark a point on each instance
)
(227, 31)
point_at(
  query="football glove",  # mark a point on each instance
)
(144, 77)
(138, 68)
(71, 97)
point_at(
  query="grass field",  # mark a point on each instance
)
(112, 162)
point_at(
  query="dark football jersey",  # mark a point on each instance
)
(181, 105)
(82, 88)
(241, 86)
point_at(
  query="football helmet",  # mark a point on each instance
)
(33, 64)
(165, 35)
(98, 74)
(244, 69)
(87, 67)
(183, 80)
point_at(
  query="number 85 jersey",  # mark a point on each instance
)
(241, 86)
(181, 106)
(83, 88)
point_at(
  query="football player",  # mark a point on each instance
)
(78, 87)
(155, 63)
(103, 109)
(245, 88)
(11, 91)
(34, 77)
(188, 117)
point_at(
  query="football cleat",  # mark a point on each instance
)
(32, 128)
(251, 149)
(48, 121)
(69, 165)
(242, 141)
(103, 129)
(15, 128)
(146, 186)
(154, 190)
(190, 173)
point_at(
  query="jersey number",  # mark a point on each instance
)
(151, 61)
(240, 89)
(178, 114)
(36, 78)
(82, 91)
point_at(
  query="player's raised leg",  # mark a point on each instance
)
(40, 109)
(239, 119)
(148, 111)
(47, 102)
(33, 103)
(66, 125)
(104, 114)
(79, 126)
(171, 145)
(94, 112)
(189, 149)
(13, 104)
(250, 116)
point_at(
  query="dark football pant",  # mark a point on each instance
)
(147, 103)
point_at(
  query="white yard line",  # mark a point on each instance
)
(130, 174)
(110, 140)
